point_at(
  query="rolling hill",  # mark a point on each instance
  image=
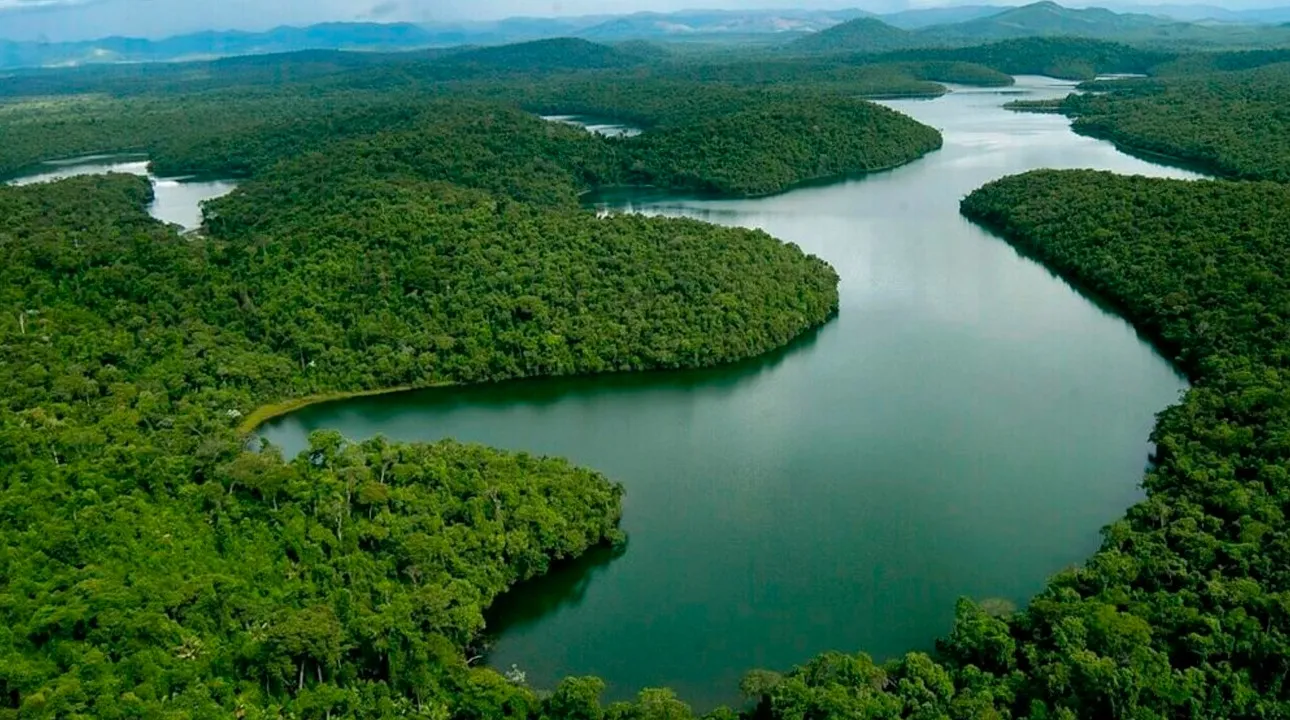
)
(927, 17)
(864, 35)
(556, 54)
(816, 31)
(1046, 19)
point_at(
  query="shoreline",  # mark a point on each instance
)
(814, 181)
(274, 410)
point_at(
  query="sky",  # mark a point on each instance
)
(59, 20)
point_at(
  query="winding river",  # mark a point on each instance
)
(175, 200)
(965, 427)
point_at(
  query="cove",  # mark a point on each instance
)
(175, 200)
(964, 427)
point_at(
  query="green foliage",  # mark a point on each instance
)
(768, 146)
(1234, 123)
(1178, 613)
(405, 225)
(862, 35)
(153, 565)
(752, 138)
(1062, 57)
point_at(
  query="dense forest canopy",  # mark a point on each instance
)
(1235, 123)
(1181, 613)
(152, 564)
(407, 220)
(741, 136)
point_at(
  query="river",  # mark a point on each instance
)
(175, 200)
(599, 126)
(964, 427)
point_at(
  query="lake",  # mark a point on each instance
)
(175, 200)
(964, 428)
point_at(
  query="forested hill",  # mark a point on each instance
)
(152, 565)
(700, 136)
(1049, 19)
(1062, 57)
(528, 59)
(864, 35)
(1234, 123)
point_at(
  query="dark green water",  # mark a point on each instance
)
(965, 427)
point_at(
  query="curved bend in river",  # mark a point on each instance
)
(176, 201)
(964, 428)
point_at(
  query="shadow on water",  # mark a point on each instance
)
(1196, 166)
(620, 196)
(1098, 299)
(563, 587)
(546, 391)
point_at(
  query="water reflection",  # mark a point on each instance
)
(175, 201)
(563, 588)
(964, 427)
(599, 126)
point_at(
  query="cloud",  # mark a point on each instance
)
(35, 4)
(383, 10)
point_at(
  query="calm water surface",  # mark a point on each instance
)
(964, 427)
(600, 126)
(175, 200)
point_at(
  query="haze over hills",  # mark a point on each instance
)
(865, 35)
(803, 30)
(1045, 19)
(1041, 19)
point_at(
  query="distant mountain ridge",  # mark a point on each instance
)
(716, 22)
(1047, 18)
(819, 31)
(1037, 20)
(212, 44)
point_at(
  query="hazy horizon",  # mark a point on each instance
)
(70, 20)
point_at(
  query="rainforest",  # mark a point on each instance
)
(408, 221)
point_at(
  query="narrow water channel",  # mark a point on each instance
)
(965, 427)
(176, 201)
(600, 126)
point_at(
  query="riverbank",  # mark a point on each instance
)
(661, 192)
(1214, 170)
(1097, 132)
(271, 411)
(966, 406)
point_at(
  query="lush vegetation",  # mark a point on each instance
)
(756, 132)
(153, 566)
(411, 222)
(1234, 123)
(1061, 57)
(1181, 613)
(863, 34)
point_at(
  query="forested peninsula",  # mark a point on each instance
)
(154, 565)
(409, 221)
(1230, 123)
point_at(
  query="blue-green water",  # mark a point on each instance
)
(965, 427)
